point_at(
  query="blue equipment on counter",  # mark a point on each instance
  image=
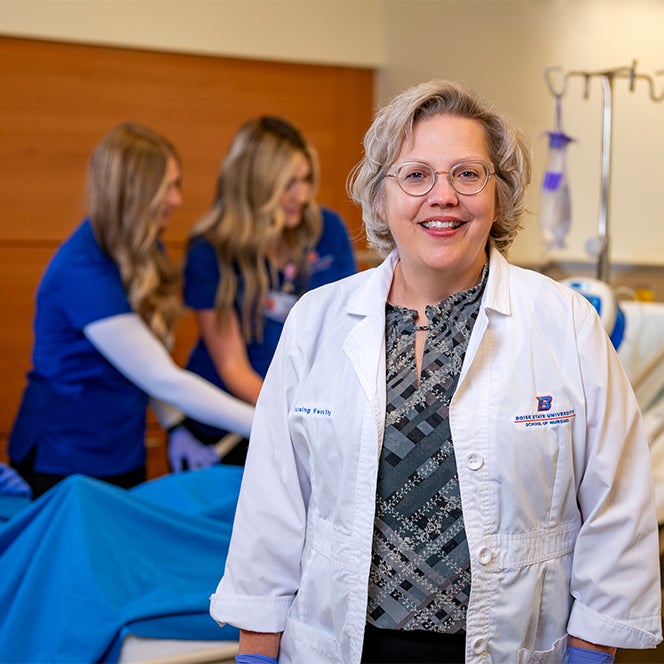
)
(602, 297)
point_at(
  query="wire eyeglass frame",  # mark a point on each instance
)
(431, 177)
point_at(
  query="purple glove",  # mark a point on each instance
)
(12, 484)
(583, 656)
(254, 659)
(186, 452)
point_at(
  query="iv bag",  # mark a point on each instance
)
(555, 210)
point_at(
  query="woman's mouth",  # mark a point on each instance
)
(441, 225)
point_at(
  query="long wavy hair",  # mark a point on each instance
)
(245, 221)
(509, 150)
(125, 196)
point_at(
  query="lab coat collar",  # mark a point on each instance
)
(497, 291)
(377, 288)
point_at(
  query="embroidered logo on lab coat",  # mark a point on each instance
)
(545, 415)
(313, 410)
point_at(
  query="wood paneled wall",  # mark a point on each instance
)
(58, 100)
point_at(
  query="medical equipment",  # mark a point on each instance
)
(555, 210)
(602, 297)
(598, 247)
(636, 328)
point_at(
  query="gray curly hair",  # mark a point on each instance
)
(509, 149)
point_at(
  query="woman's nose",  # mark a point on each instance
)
(301, 191)
(442, 192)
(175, 198)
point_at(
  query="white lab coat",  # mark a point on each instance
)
(557, 502)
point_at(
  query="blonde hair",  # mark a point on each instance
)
(509, 149)
(126, 192)
(245, 220)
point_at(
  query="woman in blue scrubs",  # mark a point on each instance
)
(105, 314)
(261, 245)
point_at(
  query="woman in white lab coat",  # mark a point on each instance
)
(447, 461)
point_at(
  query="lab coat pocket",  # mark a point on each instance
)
(300, 644)
(318, 616)
(556, 655)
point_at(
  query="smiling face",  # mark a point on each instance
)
(441, 236)
(297, 193)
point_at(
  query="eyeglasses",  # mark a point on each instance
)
(467, 177)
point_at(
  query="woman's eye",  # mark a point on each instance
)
(414, 175)
(467, 174)
(307, 180)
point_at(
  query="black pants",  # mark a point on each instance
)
(382, 646)
(40, 483)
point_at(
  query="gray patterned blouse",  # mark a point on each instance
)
(420, 570)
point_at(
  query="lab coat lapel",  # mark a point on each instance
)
(365, 344)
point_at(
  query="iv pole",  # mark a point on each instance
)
(600, 247)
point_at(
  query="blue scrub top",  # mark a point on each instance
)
(79, 412)
(332, 259)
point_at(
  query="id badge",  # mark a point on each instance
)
(278, 305)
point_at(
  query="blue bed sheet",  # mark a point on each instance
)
(88, 563)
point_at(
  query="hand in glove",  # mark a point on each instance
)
(186, 452)
(582, 656)
(12, 484)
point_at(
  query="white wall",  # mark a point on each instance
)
(499, 47)
(343, 32)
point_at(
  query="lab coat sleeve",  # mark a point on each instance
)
(615, 576)
(262, 572)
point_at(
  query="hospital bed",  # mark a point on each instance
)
(642, 355)
(95, 573)
(643, 340)
(143, 650)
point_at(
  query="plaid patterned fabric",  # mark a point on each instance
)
(420, 571)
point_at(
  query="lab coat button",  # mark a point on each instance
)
(484, 555)
(474, 461)
(479, 646)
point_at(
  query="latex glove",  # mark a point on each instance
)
(12, 484)
(254, 659)
(186, 452)
(583, 656)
